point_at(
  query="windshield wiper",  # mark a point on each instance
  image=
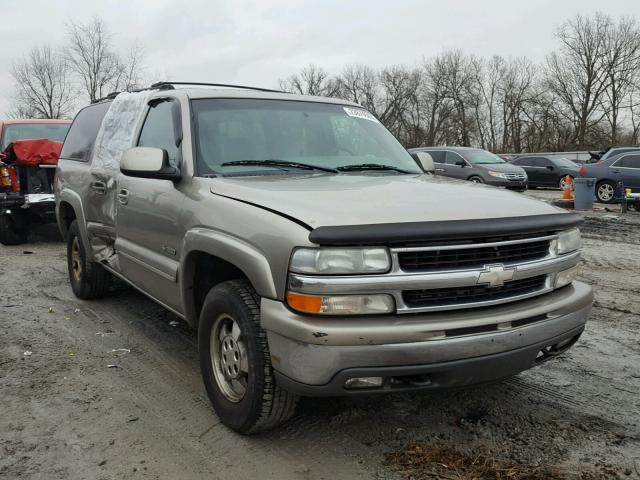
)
(370, 166)
(279, 163)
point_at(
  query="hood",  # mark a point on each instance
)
(502, 167)
(356, 199)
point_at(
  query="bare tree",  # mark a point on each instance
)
(578, 74)
(43, 83)
(131, 70)
(623, 63)
(312, 80)
(94, 60)
(360, 84)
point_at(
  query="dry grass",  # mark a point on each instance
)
(446, 463)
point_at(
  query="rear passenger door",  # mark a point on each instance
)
(527, 164)
(76, 175)
(628, 170)
(149, 230)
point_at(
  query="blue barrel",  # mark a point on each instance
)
(584, 191)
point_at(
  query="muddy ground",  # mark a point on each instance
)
(73, 405)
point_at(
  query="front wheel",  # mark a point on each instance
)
(562, 183)
(236, 363)
(476, 179)
(605, 192)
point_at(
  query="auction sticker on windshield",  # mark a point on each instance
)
(360, 113)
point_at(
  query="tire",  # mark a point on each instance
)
(11, 232)
(475, 179)
(561, 183)
(605, 191)
(88, 279)
(230, 338)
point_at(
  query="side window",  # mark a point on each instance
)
(451, 158)
(438, 156)
(523, 162)
(82, 135)
(629, 161)
(544, 162)
(160, 130)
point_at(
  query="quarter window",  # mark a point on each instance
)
(78, 144)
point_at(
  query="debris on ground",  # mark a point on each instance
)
(173, 323)
(443, 462)
(120, 350)
(27, 353)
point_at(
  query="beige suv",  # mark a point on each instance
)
(310, 251)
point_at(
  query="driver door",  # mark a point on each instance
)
(453, 167)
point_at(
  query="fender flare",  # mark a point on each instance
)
(243, 255)
(73, 199)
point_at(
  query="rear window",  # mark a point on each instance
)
(31, 131)
(79, 142)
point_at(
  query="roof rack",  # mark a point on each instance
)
(170, 85)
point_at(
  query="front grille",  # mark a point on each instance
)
(425, 260)
(477, 293)
(515, 176)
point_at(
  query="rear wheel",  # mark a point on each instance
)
(476, 179)
(12, 231)
(88, 279)
(605, 191)
(236, 363)
(562, 182)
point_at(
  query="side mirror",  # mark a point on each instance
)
(550, 168)
(461, 163)
(426, 162)
(148, 162)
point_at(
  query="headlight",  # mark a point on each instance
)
(565, 277)
(341, 304)
(337, 261)
(497, 174)
(568, 241)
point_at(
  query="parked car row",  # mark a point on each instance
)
(619, 166)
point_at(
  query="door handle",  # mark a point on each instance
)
(123, 196)
(99, 187)
(441, 169)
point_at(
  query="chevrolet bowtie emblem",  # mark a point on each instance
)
(495, 275)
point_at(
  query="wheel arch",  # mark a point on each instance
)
(209, 258)
(69, 208)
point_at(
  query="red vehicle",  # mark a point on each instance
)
(27, 166)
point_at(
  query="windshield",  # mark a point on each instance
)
(482, 157)
(31, 131)
(315, 134)
(564, 162)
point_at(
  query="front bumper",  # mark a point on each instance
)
(314, 356)
(503, 182)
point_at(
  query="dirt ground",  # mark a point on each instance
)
(111, 389)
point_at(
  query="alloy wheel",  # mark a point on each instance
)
(605, 192)
(229, 358)
(76, 259)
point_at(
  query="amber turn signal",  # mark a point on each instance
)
(304, 303)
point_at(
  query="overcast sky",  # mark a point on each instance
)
(258, 42)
